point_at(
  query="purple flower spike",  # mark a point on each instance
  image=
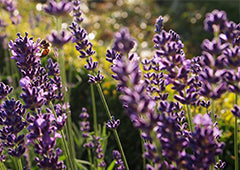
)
(4, 90)
(10, 6)
(236, 111)
(90, 64)
(80, 38)
(119, 165)
(25, 51)
(159, 24)
(95, 79)
(123, 41)
(77, 11)
(85, 125)
(11, 120)
(220, 165)
(113, 124)
(60, 39)
(215, 21)
(58, 9)
(204, 144)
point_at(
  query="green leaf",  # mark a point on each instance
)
(111, 166)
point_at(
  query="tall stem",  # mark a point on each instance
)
(61, 61)
(70, 161)
(114, 130)
(189, 118)
(236, 138)
(212, 111)
(19, 163)
(94, 109)
(2, 166)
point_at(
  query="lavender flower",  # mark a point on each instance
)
(80, 38)
(25, 51)
(236, 111)
(10, 6)
(43, 134)
(90, 64)
(95, 79)
(119, 165)
(59, 39)
(220, 165)
(85, 125)
(77, 11)
(39, 85)
(95, 145)
(159, 24)
(113, 124)
(204, 143)
(4, 90)
(58, 9)
(3, 23)
(11, 117)
(123, 41)
(215, 21)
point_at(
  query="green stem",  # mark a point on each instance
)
(64, 143)
(189, 118)
(90, 158)
(114, 130)
(212, 111)
(94, 109)
(143, 150)
(2, 166)
(236, 138)
(19, 163)
(120, 148)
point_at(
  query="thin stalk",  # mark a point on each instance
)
(64, 143)
(61, 61)
(19, 163)
(236, 138)
(90, 158)
(94, 109)
(68, 127)
(114, 130)
(212, 111)
(143, 150)
(2, 166)
(189, 118)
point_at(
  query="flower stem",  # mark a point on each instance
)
(2, 166)
(64, 143)
(236, 138)
(114, 130)
(189, 118)
(212, 110)
(19, 163)
(94, 109)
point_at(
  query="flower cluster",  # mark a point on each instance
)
(220, 56)
(58, 8)
(59, 39)
(95, 145)
(10, 6)
(4, 90)
(85, 125)
(80, 37)
(39, 85)
(43, 135)
(167, 122)
(119, 165)
(11, 119)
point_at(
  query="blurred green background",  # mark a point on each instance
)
(101, 19)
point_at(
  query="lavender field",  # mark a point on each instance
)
(114, 84)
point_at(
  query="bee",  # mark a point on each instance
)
(45, 45)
